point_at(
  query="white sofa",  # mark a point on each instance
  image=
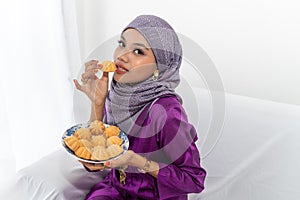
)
(255, 157)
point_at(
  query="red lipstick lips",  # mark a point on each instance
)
(121, 69)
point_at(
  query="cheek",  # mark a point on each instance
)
(145, 70)
(116, 53)
(136, 75)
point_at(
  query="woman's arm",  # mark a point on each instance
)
(148, 166)
(96, 112)
(95, 88)
(180, 171)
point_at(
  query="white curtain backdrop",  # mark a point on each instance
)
(36, 89)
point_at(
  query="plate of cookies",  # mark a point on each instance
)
(95, 142)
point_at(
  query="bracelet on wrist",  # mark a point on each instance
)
(146, 167)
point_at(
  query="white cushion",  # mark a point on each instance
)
(254, 157)
(56, 176)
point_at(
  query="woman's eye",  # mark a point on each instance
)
(138, 51)
(121, 43)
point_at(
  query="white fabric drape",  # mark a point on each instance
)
(36, 89)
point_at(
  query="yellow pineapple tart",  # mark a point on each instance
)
(83, 152)
(72, 142)
(111, 131)
(108, 66)
(114, 140)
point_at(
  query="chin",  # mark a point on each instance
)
(119, 79)
(127, 79)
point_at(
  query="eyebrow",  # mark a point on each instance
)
(137, 44)
(141, 45)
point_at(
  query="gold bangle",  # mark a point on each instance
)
(146, 167)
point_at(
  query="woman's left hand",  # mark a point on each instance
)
(124, 160)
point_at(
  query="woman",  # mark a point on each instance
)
(163, 161)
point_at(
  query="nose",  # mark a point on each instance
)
(123, 55)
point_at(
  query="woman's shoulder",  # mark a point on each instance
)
(162, 109)
(168, 101)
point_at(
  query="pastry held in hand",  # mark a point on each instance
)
(108, 66)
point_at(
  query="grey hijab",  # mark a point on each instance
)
(125, 102)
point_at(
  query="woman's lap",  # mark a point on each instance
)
(104, 192)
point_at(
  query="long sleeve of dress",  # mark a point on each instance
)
(180, 171)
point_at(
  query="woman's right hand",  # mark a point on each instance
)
(96, 89)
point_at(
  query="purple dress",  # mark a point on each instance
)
(165, 136)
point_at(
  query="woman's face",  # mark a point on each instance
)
(134, 58)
